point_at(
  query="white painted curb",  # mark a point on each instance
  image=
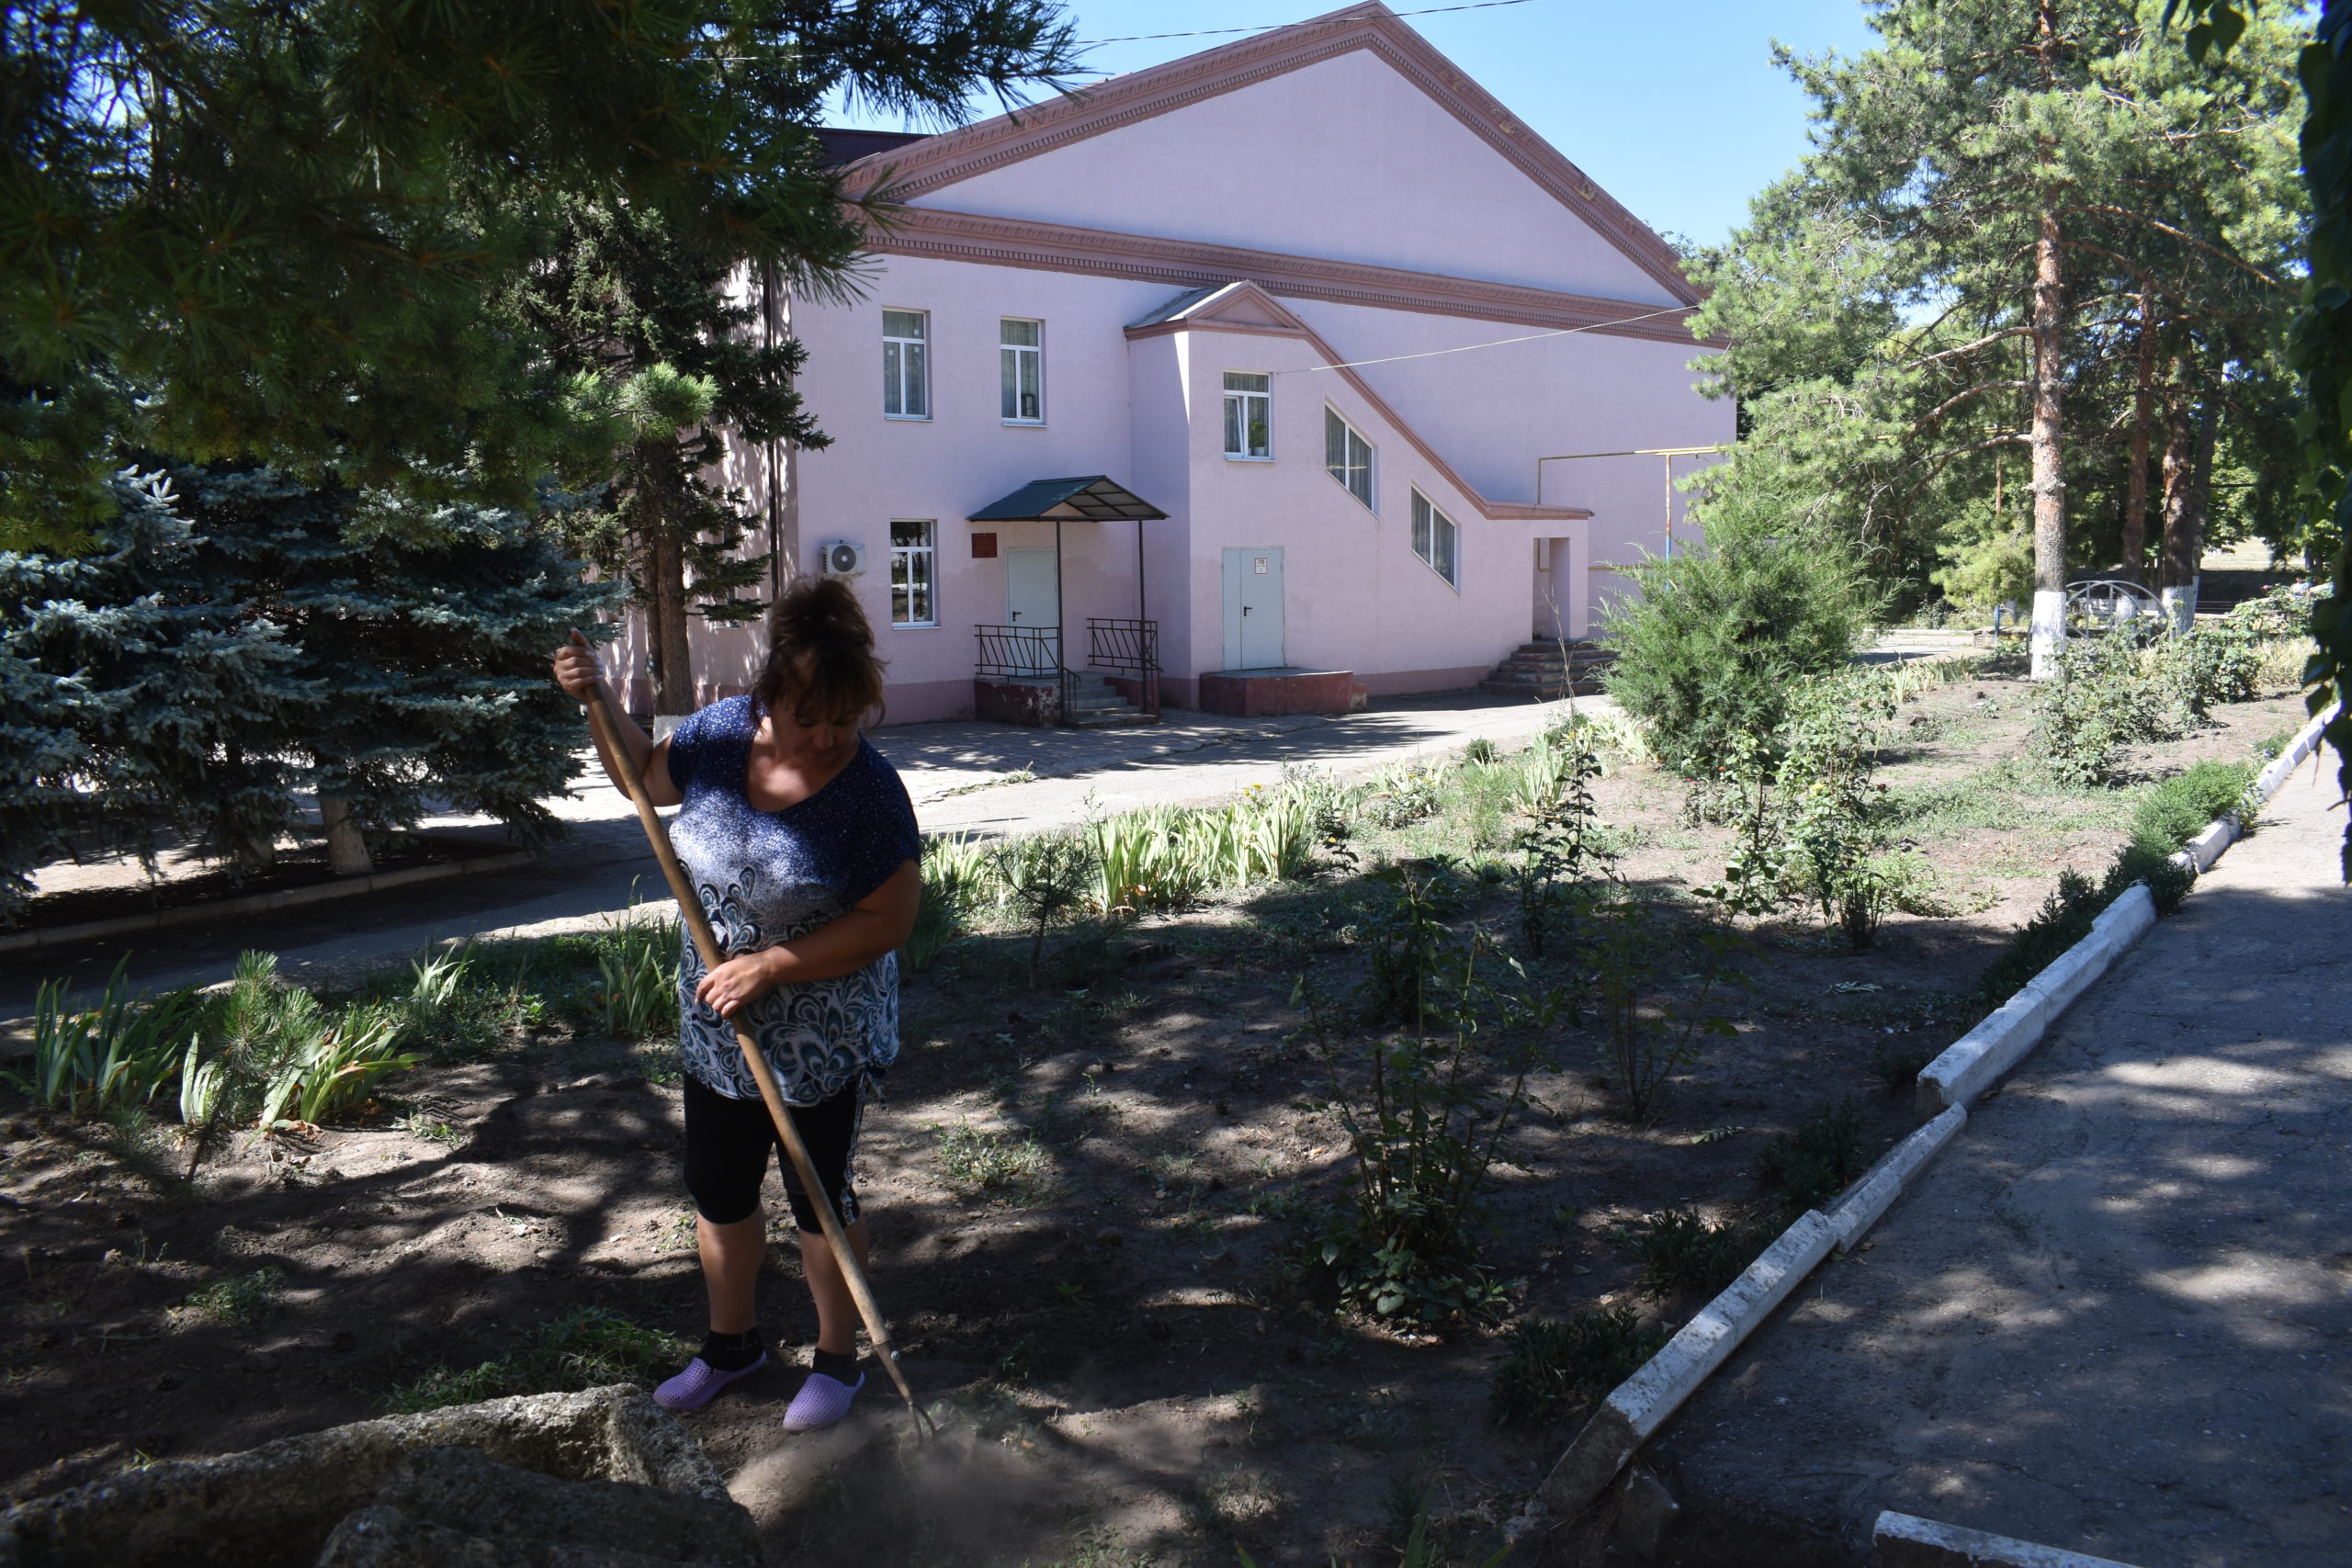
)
(1640, 1405)
(1877, 1190)
(255, 903)
(1969, 1064)
(2306, 741)
(1904, 1540)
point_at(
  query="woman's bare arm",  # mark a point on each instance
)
(579, 675)
(876, 924)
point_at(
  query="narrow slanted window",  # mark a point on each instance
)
(1347, 456)
(1021, 365)
(906, 364)
(913, 557)
(1249, 415)
(1436, 540)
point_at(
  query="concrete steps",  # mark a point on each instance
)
(1095, 705)
(1547, 670)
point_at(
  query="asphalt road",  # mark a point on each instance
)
(950, 770)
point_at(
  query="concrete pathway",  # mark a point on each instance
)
(956, 771)
(2116, 1317)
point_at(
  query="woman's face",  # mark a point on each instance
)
(808, 742)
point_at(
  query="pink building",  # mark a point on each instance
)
(1244, 362)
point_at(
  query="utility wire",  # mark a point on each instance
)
(1529, 337)
(1277, 27)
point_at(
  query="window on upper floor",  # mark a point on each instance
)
(1249, 415)
(1020, 366)
(1347, 456)
(914, 558)
(906, 364)
(1436, 540)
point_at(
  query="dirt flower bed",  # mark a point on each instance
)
(1097, 1202)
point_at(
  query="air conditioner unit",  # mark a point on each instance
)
(838, 558)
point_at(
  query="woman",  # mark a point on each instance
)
(802, 845)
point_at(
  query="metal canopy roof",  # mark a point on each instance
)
(1090, 498)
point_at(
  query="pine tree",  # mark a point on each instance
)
(662, 317)
(268, 231)
(132, 708)
(423, 640)
(2017, 221)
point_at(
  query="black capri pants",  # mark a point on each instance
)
(727, 1154)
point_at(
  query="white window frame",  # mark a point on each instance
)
(1010, 357)
(904, 561)
(1238, 424)
(1427, 516)
(1335, 422)
(895, 382)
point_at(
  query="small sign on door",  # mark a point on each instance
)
(1259, 564)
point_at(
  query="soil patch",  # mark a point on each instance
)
(1090, 1203)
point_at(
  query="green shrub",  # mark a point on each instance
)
(1718, 634)
(2177, 809)
(1680, 1251)
(2064, 919)
(1548, 1366)
(586, 1347)
(1819, 1160)
(2210, 666)
(1425, 1113)
(1630, 952)
(2104, 696)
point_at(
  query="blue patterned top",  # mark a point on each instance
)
(771, 876)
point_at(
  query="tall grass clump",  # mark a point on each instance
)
(91, 1063)
(954, 886)
(281, 1054)
(1549, 1366)
(637, 976)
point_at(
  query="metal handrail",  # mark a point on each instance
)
(1130, 647)
(1025, 653)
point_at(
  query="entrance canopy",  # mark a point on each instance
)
(1089, 498)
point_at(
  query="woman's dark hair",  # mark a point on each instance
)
(821, 654)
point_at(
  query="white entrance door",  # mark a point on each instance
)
(1253, 609)
(1031, 599)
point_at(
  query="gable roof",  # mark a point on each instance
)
(1091, 498)
(919, 168)
(1242, 307)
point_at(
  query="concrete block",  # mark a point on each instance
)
(1971, 1065)
(1901, 1540)
(467, 1491)
(1638, 1407)
(1871, 1197)
(277, 1503)
(2207, 847)
(1646, 1514)
(1259, 693)
(2306, 741)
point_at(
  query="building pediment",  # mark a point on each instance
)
(1356, 110)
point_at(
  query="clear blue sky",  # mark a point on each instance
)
(1674, 106)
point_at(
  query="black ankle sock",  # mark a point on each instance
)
(732, 1352)
(840, 1369)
